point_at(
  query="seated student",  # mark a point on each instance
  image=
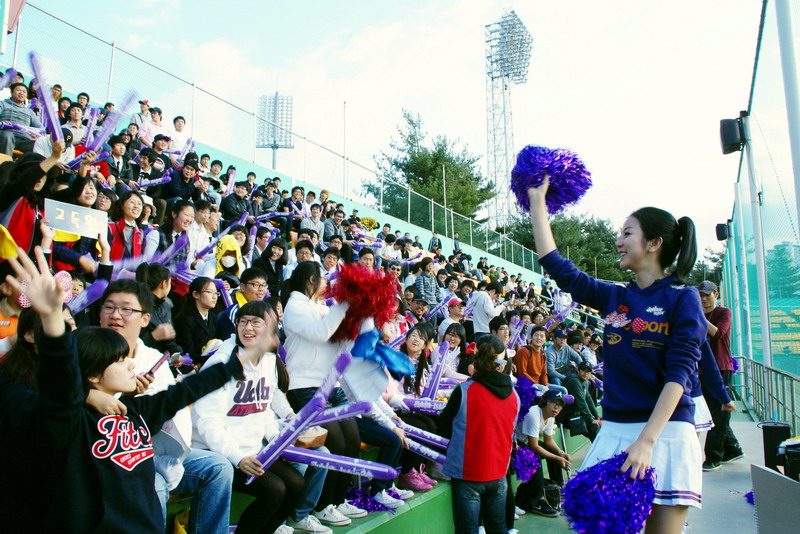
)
(160, 333)
(499, 327)
(118, 167)
(314, 221)
(330, 262)
(111, 488)
(234, 205)
(530, 361)
(272, 262)
(333, 226)
(583, 407)
(252, 286)
(236, 426)
(303, 251)
(263, 235)
(124, 234)
(177, 223)
(457, 338)
(366, 258)
(304, 234)
(561, 359)
(455, 312)
(15, 110)
(195, 322)
(293, 208)
(183, 184)
(538, 423)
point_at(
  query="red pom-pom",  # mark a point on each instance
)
(370, 294)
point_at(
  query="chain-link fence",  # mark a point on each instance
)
(775, 202)
(81, 61)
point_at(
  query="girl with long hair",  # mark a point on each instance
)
(196, 321)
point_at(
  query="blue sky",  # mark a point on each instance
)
(637, 88)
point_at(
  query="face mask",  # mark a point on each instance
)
(228, 261)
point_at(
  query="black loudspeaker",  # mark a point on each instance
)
(730, 135)
(722, 232)
(773, 433)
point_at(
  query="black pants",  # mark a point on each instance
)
(276, 493)
(721, 442)
(531, 493)
(411, 460)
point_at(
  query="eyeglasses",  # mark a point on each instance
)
(256, 285)
(255, 323)
(211, 292)
(125, 311)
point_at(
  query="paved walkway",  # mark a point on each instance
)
(725, 510)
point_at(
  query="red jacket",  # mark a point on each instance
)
(117, 240)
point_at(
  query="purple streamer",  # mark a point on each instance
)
(343, 464)
(429, 406)
(345, 411)
(252, 243)
(425, 436)
(88, 296)
(305, 417)
(425, 452)
(525, 463)
(569, 179)
(436, 373)
(604, 499)
(48, 106)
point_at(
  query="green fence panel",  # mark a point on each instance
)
(440, 223)
(395, 200)
(421, 211)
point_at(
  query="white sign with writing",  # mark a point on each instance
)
(75, 219)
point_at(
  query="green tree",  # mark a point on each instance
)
(783, 277)
(412, 163)
(708, 268)
(586, 240)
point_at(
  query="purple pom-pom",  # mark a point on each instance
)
(527, 396)
(525, 463)
(603, 499)
(569, 179)
(751, 498)
(360, 498)
(735, 364)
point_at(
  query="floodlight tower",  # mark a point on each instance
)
(508, 54)
(274, 124)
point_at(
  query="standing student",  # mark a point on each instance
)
(479, 419)
(654, 328)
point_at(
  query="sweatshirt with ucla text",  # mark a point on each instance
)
(652, 336)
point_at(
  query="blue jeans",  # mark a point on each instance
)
(389, 445)
(209, 477)
(315, 480)
(473, 500)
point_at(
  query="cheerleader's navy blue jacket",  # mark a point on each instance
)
(652, 336)
(108, 475)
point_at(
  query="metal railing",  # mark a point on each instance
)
(772, 394)
(106, 71)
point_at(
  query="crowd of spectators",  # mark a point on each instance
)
(188, 260)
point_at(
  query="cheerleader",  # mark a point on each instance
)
(654, 329)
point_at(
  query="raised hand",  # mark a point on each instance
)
(43, 291)
(536, 194)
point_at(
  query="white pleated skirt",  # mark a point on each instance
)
(677, 459)
(702, 415)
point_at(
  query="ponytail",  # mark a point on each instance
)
(152, 274)
(677, 238)
(688, 251)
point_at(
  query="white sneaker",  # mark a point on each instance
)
(387, 500)
(402, 493)
(309, 524)
(351, 511)
(481, 530)
(516, 517)
(519, 511)
(513, 531)
(331, 516)
(284, 529)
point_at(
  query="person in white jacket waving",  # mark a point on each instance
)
(309, 324)
(235, 419)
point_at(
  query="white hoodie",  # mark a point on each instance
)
(234, 419)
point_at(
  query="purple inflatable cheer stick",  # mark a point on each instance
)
(75, 163)
(516, 326)
(5, 79)
(396, 342)
(94, 113)
(425, 436)
(305, 417)
(424, 451)
(343, 464)
(27, 130)
(110, 124)
(231, 182)
(435, 310)
(185, 276)
(172, 250)
(436, 373)
(252, 242)
(269, 215)
(339, 413)
(226, 297)
(88, 296)
(46, 98)
(282, 353)
(428, 406)
(222, 234)
(155, 181)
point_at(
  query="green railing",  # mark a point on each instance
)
(772, 394)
